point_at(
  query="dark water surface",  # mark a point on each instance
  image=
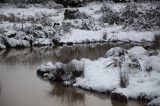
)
(20, 85)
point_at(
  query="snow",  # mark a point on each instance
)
(42, 41)
(2, 46)
(138, 50)
(132, 36)
(153, 63)
(113, 33)
(17, 43)
(154, 102)
(142, 84)
(77, 35)
(27, 12)
(97, 78)
(48, 67)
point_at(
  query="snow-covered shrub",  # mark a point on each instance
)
(49, 31)
(71, 13)
(116, 52)
(76, 68)
(39, 34)
(62, 72)
(11, 42)
(137, 19)
(42, 42)
(66, 26)
(45, 21)
(49, 67)
(109, 16)
(90, 24)
(74, 14)
(122, 58)
(52, 5)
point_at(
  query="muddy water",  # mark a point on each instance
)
(20, 86)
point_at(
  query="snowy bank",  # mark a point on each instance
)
(45, 24)
(154, 102)
(121, 71)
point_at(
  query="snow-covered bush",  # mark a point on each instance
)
(11, 42)
(62, 72)
(74, 14)
(45, 21)
(121, 58)
(49, 31)
(109, 16)
(66, 26)
(42, 42)
(39, 34)
(51, 4)
(90, 24)
(116, 52)
(137, 19)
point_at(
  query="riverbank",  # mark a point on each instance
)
(131, 74)
(50, 24)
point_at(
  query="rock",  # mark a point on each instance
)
(118, 96)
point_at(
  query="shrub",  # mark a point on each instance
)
(108, 16)
(66, 26)
(74, 14)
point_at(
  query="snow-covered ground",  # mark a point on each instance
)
(112, 33)
(103, 74)
(95, 21)
(155, 102)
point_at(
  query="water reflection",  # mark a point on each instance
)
(68, 96)
(63, 54)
